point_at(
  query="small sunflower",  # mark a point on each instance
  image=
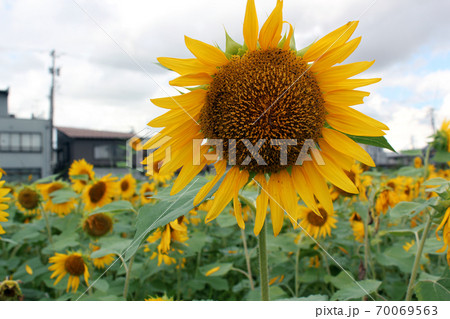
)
(361, 182)
(61, 209)
(163, 298)
(418, 162)
(230, 99)
(3, 192)
(441, 139)
(157, 177)
(445, 223)
(100, 192)
(72, 264)
(127, 186)
(315, 225)
(147, 191)
(98, 225)
(101, 262)
(80, 173)
(388, 197)
(28, 201)
(357, 227)
(175, 231)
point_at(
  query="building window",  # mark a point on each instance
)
(22, 174)
(102, 152)
(20, 142)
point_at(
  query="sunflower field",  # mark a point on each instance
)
(242, 219)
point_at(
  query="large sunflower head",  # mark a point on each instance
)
(3, 207)
(260, 107)
(100, 192)
(80, 173)
(72, 264)
(127, 186)
(98, 225)
(315, 225)
(59, 208)
(28, 200)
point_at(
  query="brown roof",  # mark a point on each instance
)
(84, 133)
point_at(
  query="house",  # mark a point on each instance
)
(25, 147)
(104, 149)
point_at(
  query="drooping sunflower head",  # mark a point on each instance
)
(61, 208)
(28, 201)
(100, 192)
(315, 225)
(98, 225)
(256, 107)
(127, 186)
(72, 264)
(80, 173)
(10, 291)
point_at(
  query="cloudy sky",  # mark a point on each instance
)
(107, 52)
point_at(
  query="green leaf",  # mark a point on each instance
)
(428, 290)
(441, 157)
(378, 141)
(403, 209)
(412, 152)
(436, 181)
(83, 177)
(355, 291)
(302, 52)
(62, 196)
(232, 47)
(111, 245)
(47, 179)
(121, 205)
(169, 208)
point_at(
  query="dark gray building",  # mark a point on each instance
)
(105, 150)
(25, 147)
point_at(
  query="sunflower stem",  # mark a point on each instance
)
(127, 276)
(427, 160)
(417, 259)
(47, 225)
(263, 264)
(297, 262)
(247, 259)
(366, 244)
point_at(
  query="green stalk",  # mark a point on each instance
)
(417, 259)
(263, 264)
(366, 245)
(47, 224)
(297, 262)
(127, 276)
(426, 162)
(247, 259)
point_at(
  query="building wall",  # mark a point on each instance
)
(39, 162)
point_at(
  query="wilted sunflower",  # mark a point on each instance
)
(175, 231)
(266, 90)
(61, 209)
(3, 192)
(315, 225)
(147, 191)
(72, 264)
(357, 226)
(28, 201)
(100, 192)
(101, 262)
(10, 291)
(80, 173)
(127, 186)
(98, 225)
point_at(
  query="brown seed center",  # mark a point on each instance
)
(98, 225)
(75, 265)
(97, 192)
(265, 94)
(124, 186)
(316, 220)
(28, 198)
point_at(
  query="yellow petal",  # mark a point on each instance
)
(335, 56)
(345, 97)
(352, 125)
(332, 40)
(192, 79)
(206, 53)
(344, 161)
(186, 66)
(346, 145)
(345, 110)
(287, 43)
(288, 197)
(276, 211)
(240, 182)
(212, 270)
(261, 203)
(302, 187)
(28, 270)
(187, 101)
(342, 72)
(251, 26)
(318, 186)
(220, 167)
(270, 33)
(175, 117)
(348, 84)
(223, 195)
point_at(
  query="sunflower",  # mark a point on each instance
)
(61, 209)
(3, 192)
(10, 290)
(98, 225)
(101, 262)
(265, 91)
(147, 191)
(357, 227)
(71, 263)
(80, 173)
(127, 186)
(445, 223)
(361, 182)
(163, 298)
(315, 225)
(155, 175)
(28, 201)
(418, 162)
(100, 192)
(175, 231)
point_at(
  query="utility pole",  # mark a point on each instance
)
(54, 71)
(433, 125)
